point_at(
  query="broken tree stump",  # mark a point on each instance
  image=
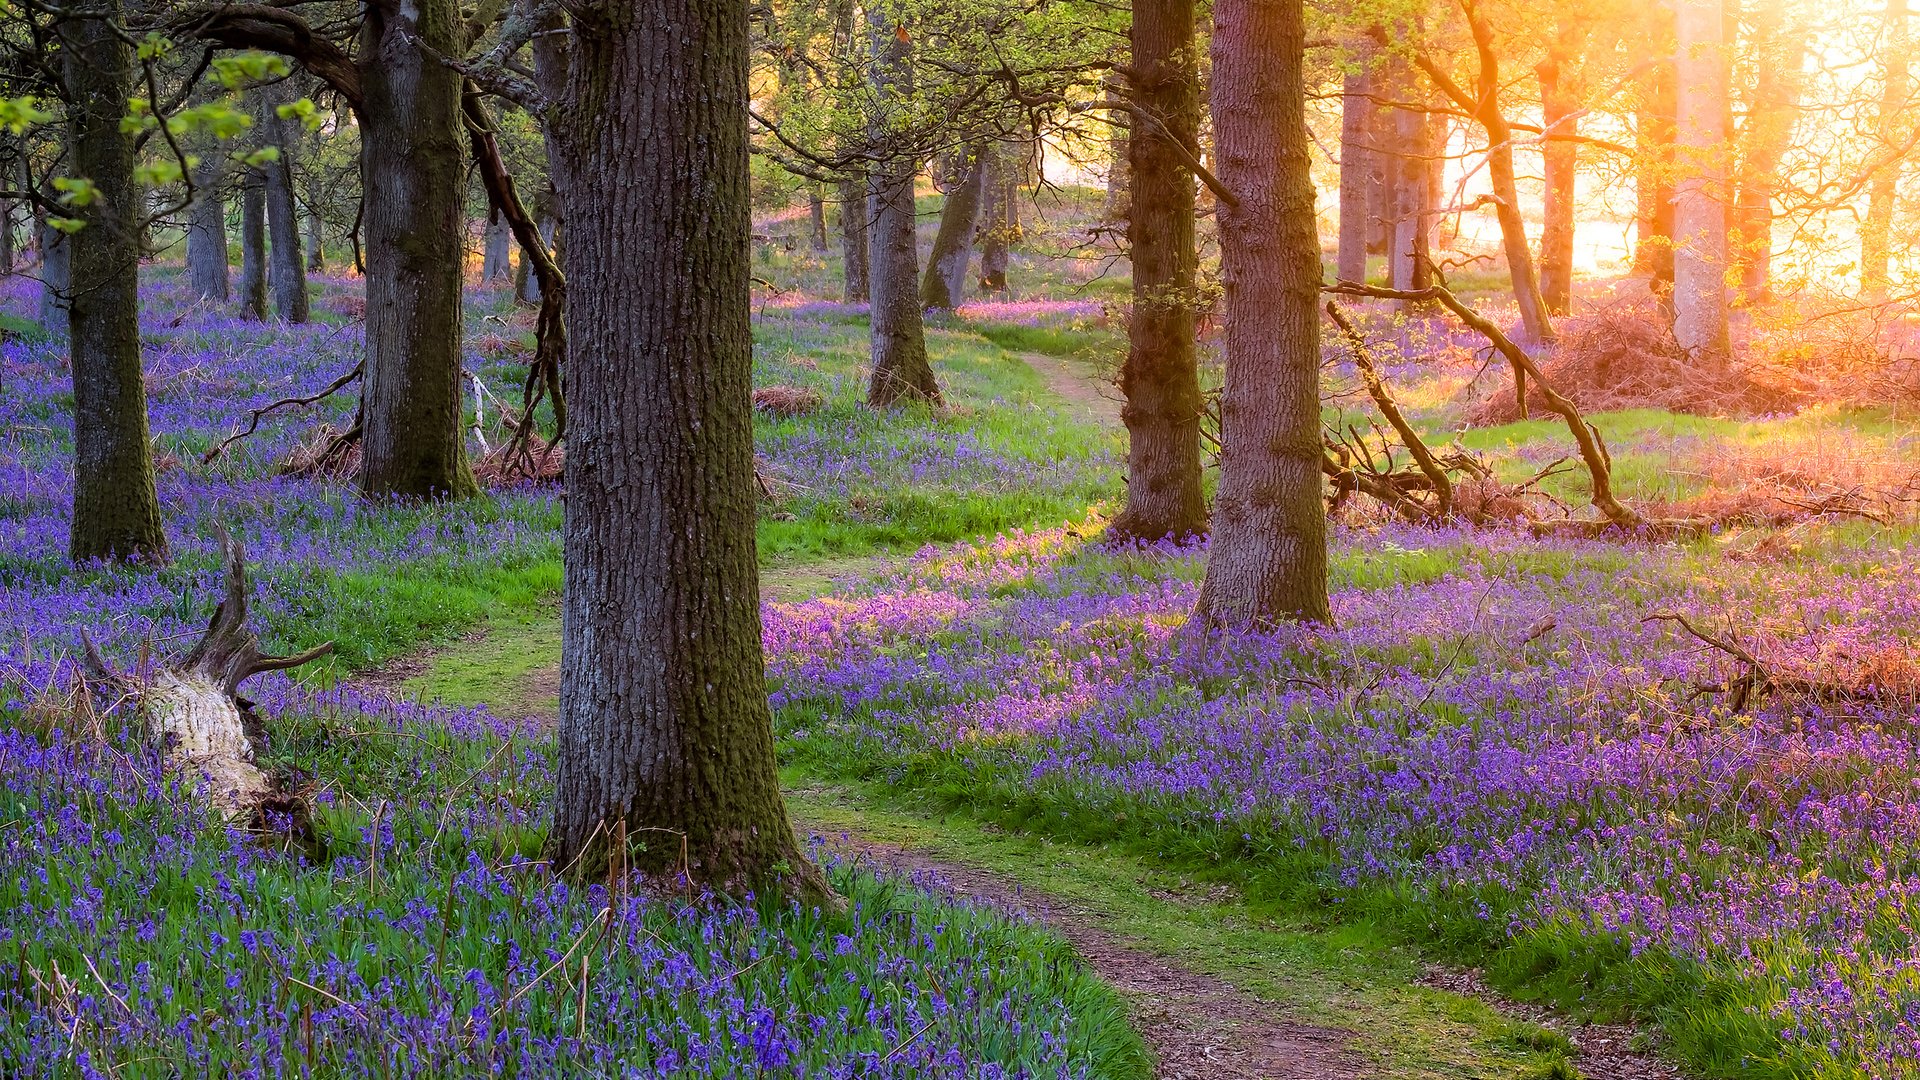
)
(209, 733)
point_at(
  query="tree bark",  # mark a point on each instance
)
(1700, 215)
(1654, 161)
(116, 510)
(853, 240)
(1559, 105)
(56, 274)
(286, 264)
(1410, 259)
(999, 220)
(944, 285)
(316, 242)
(901, 369)
(816, 219)
(1896, 94)
(1268, 561)
(1764, 141)
(1356, 170)
(253, 245)
(411, 163)
(497, 264)
(665, 735)
(1160, 379)
(207, 229)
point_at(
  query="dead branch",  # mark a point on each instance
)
(253, 421)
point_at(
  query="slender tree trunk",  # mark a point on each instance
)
(6, 236)
(816, 218)
(498, 262)
(1119, 165)
(664, 726)
(253, 245)
(207, 229)
(1700, 214)
(1896, 94)
(1000, 220)
(901, 370)
(853, 240)
(316, 242)
(286, 264)
(116, 511)
(1356, 170)
(944, 285)
(1160, 380)
(1654, 162)
(1411, 261)
(56, 274)
(1268, 561)
(411, 162)
(1559, 103)
(526, 286)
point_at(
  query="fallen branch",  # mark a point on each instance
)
(253, 422)
(1756, 681)
(1382, 400)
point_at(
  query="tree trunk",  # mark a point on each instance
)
(999, 219)
(853, 240)
(497, 265)
(316, 242)
(7, 254)
(253, 245)
(116, 511)
(1160, 379)
(1764, 141)
(286, 264)
(816, 218)
(665, 733)
(1410, 261)
(945, 284)
(1559, 105)
(1896, 94)
(1268, 561)
(207, 229)
(56, 274)
(901, 370)
(1654, 162)
(411, 164)
(1700, 217)
(1356, 171)
(526, 286)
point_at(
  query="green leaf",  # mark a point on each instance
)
(66, 224)
(76, 191)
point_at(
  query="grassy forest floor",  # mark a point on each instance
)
(1494, 774)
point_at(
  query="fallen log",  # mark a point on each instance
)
(210, 734)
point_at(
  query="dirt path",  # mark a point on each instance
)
(1078, 384)
(1199, 1027)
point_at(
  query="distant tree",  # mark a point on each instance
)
(901, 369)
(665, 737)
(286, 264)
(253, 244)
(1160, 378)
(1358, 156)
(1268, 559)
(1896, 98)
(944, 285)
(1700, 212)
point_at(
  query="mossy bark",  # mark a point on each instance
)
(666, 759)
(116, 511)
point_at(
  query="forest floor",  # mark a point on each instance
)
(1219, 988)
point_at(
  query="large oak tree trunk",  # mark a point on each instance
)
(1700, 213)
(665, 734)
(116, 511)
(1160, 379)
(412, 166)
(944, 285)
(898, 338)
(853, 240)
(1269, 556)
(1764, 140)
(1653, 161)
